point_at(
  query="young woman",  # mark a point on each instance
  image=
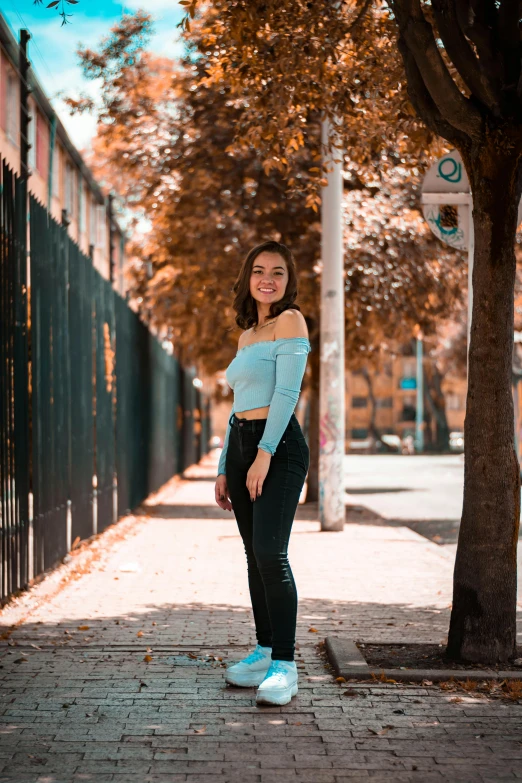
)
(265, 459)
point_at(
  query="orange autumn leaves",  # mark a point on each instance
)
(179, 146)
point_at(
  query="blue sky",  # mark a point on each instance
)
(52, 48)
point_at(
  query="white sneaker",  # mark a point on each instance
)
(251, 670)
(279, 685)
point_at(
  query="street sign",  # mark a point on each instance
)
(446, 200)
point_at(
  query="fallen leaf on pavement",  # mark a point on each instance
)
(130, 568)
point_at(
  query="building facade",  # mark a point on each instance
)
(58, 176)
(388, 399)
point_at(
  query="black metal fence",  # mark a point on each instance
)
(95, 414)
(14, 426)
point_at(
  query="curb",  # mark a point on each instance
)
(348, 662)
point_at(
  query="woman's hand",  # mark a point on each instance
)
(257, 473)
(221, 489)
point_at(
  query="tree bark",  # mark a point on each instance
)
(482, 626)
(374, 432)
(436, 401)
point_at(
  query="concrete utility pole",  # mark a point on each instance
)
(419, 413)
(331, 389)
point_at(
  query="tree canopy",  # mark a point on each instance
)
(167, 142)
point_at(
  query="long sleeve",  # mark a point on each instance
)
(291, 356)
(223, 456)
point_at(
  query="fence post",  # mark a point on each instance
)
(25, 119)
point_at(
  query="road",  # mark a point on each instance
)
(423, 493)
(408, 487)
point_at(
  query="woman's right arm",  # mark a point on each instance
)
(223, 457)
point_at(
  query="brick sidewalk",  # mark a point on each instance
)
(81, 703)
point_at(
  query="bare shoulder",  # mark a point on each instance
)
(291, 323)
(244, 338)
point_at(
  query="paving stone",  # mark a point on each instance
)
(90, 708)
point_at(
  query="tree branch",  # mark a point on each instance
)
(477, 22)
(418, 36)
(509, 33)
(358, 19)
(423, 102)
(463, 57)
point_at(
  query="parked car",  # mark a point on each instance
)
(391, 444)
(456, 441)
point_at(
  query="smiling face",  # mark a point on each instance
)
(268, 279)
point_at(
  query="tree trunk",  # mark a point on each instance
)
(374, 432)
(312, 492)
(437, 403)
(482, 626)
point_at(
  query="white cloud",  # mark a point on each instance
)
(155, 6)
(165, 43)
(81, 128)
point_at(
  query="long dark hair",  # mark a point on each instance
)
(244, 303)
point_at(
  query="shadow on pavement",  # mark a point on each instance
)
(103, 703)
(377, 490)
(440, 531)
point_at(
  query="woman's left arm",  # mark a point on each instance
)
(290, 367)
(291, 356)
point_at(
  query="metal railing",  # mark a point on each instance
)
(95, 414)
(14, 380)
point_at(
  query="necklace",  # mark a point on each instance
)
(262, 327)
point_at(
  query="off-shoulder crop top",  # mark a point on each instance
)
(268, 372)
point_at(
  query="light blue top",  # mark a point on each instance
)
(268, 372)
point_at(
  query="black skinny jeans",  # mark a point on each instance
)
(265, 525)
